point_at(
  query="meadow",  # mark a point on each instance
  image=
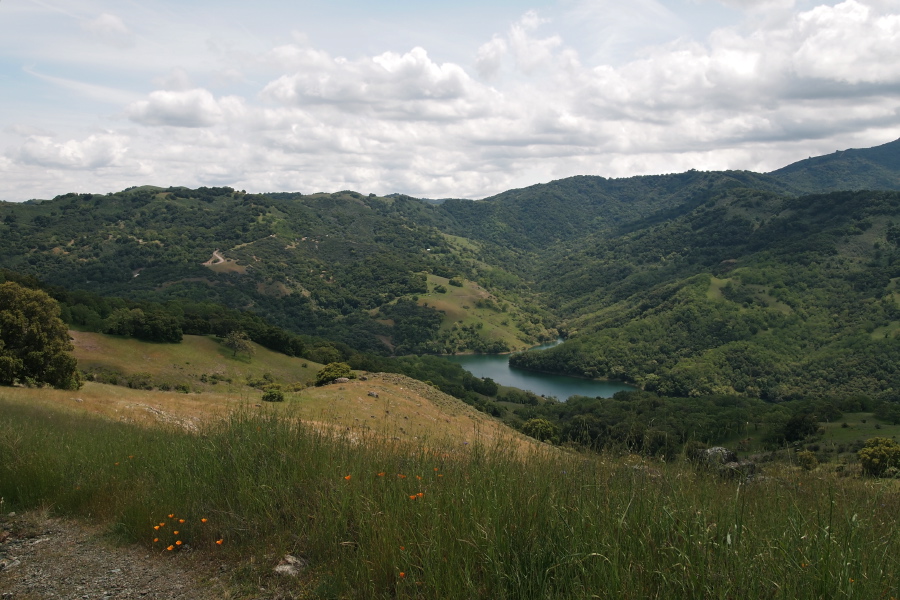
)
(380, 518)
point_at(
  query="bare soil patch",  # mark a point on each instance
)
(45, 557)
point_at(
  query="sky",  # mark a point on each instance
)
(432, 98)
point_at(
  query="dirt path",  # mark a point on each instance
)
(43, 557)
(216, 259)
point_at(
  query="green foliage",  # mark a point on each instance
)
(34, 342)
(239, 343)
(541, 429)
(807, 460)
(879, 455)
(273, 394)
(333, 371)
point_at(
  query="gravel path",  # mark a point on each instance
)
(43, 557)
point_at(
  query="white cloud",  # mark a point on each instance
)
(191, 108)
(96, 151)
(391, 85)
(111, 30)
(177, 80)
(848, 42)
(527, 108)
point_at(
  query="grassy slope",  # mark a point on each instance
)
(459, 307)
(187, 362)
(392, 520)
(404, 409)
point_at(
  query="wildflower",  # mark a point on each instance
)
(174, 533)
(420, 494)
(402, 574)
(381, 474)
(131, 456)
(156, 527)
(117, 464)
(418, 477)
(435, 468)
(440, 474)
(203, 520)
(402, 547)
(172, 516)
(181, 520)
(347, 477)
(219, 542)
(413, 497)
(401, 475)
(178, 542)
(170, 548)
(162, 524)
(155, 540)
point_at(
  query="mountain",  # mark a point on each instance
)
(875, 168)
(696, 283)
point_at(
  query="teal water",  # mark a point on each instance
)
(496, 366)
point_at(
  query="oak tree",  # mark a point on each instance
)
(34, 342)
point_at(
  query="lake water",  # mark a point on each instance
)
(496, 366)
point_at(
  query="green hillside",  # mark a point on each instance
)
(875, 168)
(751, 293)
(686, 284)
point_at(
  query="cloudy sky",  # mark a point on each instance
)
(432, 98)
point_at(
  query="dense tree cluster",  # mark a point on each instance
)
(34, 342)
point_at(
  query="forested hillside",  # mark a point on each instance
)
(687, 284)
(855, 169)
(321, 264)
(754, 293)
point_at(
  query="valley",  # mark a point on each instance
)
(759, 312)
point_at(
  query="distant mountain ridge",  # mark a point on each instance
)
(875, 168)
(703, 282)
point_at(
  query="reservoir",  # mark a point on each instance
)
(496, 366)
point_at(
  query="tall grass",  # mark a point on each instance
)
(377, 520)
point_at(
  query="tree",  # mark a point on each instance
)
(239, 342)
(34, 342)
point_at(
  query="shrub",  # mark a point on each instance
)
(878, 455)
(273, 394)
(541, 429)
(333, 371)
(807, 460)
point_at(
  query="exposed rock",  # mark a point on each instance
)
(718, 456)
(291, 566)
(341, 380)
(373, 394)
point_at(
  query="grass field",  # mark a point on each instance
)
(460, 306)
(200, 362)
(379, 518)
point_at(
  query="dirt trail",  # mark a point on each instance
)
(216, 259)
(43, 557)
